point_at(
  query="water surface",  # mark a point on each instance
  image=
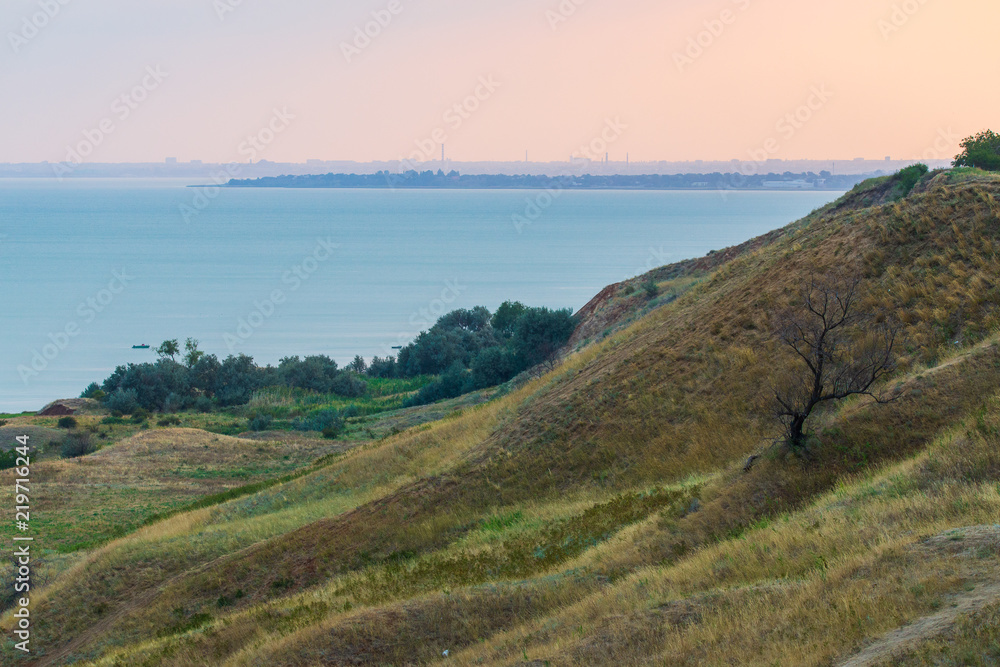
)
(401, 258)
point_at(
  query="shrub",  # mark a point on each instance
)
(506, 317)
(66, 422)
(349, 385)
(455, 382)
(317, 421)
(651, 288)
(93, 391)
(316, 373)
(358, 365)
(3, 422)
(261, 422)
(203, 404)
(8, 460)
(237, 379)
(981, 150)
(456, 337)
(333, 431)
(169, 421)
(493, 366)
(140, 415)
(382, 368)
(908, 178)
(122, 401)
(152, 383)
(76, 445)
(540, 333)
(173, 403)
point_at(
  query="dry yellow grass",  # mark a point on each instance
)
(558, 523)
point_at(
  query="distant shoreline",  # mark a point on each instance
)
(514, 188)
(428, 180)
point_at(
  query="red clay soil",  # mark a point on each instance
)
(56, 410)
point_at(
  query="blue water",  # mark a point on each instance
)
(403, 257)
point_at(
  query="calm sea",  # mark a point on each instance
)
(93, 267)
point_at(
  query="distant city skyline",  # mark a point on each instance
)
(224, 81)
(199, 171)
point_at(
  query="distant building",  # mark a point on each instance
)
(195, 161)
(171, 160)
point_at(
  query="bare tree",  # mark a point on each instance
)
(842, 352)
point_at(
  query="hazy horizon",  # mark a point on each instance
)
(732, 79)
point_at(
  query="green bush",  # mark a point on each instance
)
(455, 382)
(139, 415)
(260, 422)
(93, 391)
(122, 401)
(506, 317)
(540, 333)
(76, 445)
(8, 460)
(318, 420)
(349, 385)
(382, 368)
(908, 178)
(651, 288)
(981, 150)
(493, 366)
(67, 422)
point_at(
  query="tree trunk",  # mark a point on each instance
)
(796, 437)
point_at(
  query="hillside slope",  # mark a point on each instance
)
(601, 514)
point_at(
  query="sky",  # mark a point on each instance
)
(233, 80)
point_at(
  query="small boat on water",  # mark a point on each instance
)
(140, 347)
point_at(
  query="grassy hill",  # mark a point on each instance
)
(601, 513)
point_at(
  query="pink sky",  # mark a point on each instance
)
(882, 77)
